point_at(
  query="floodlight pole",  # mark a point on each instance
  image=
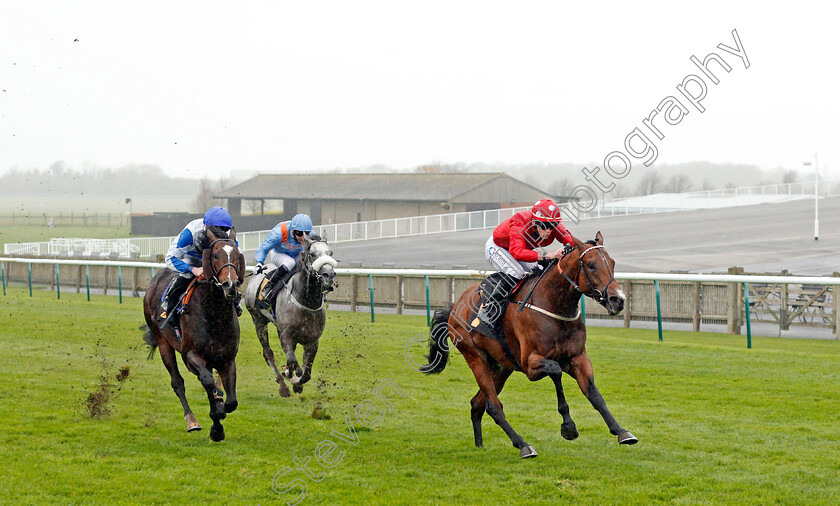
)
(816, 197)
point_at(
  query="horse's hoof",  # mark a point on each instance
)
(192, 423)
(569, 433)
(284, 391)
(527, 452)
(217, 432)
(230, 407)
(625, 438)
(298, 389)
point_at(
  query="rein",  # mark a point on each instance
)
(596, 294)
(310, 273)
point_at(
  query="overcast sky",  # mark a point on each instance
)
(212, 87)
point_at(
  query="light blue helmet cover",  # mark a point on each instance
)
(301, 222)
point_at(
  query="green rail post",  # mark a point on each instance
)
(119, 281)
(30, 280)
(87, 280)
(58, 281)
(3, 268)
(583, 308)
(428, 306)
(747, 310)
(370, 279)
(658, 309)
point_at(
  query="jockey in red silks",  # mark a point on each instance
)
(512, 249)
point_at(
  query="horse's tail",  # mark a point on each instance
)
(149, 339)
(438, 343)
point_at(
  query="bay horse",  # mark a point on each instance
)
(209, 329)
(547, 337)
(299, 313)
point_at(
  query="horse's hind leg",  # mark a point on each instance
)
(167, 354)
(214, 394)
(228, 375)
(261, 325)
(478, 403)
(493, 406)
(309, 352)
(582, 371)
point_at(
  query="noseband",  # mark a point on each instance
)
(215, 278)
(596, 294)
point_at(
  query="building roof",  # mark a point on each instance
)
(389, 186)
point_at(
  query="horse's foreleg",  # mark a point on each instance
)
(288, 344)
(568, 430)
(228, 375)
(261, 325)
(493, 406)
(214, 394)
(582, 371)
(167, 354)
(309, 352)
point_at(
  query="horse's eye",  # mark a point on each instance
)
(216, 256)
(591, 266)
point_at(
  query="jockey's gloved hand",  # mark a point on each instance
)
(259, 268)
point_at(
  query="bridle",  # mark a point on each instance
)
(596, 294)
(215, 278)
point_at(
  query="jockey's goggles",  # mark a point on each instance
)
(545, 225)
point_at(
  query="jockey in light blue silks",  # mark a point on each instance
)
(184, 255)
(282, 247)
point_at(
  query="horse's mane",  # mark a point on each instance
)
(592, 242)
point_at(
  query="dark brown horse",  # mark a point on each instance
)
(546, 338)
(209, 330)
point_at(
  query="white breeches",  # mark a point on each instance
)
(502, 260)
(279, 259)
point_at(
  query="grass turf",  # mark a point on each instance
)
(717, 423)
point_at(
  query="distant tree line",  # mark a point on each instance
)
(59, 178)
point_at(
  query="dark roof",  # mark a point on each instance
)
(394, 186)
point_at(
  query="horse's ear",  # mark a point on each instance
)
(578, 243)
(232, 234)
(206, 264)
(305, 240)
(599, 239)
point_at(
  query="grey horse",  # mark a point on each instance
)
(299, 313)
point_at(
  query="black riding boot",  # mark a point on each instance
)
(170, 299)
(494, 306)
(269, 292)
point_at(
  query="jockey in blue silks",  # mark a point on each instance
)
(282, 247)
(184, 255)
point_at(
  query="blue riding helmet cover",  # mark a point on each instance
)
(218, 217)
(301, 222)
